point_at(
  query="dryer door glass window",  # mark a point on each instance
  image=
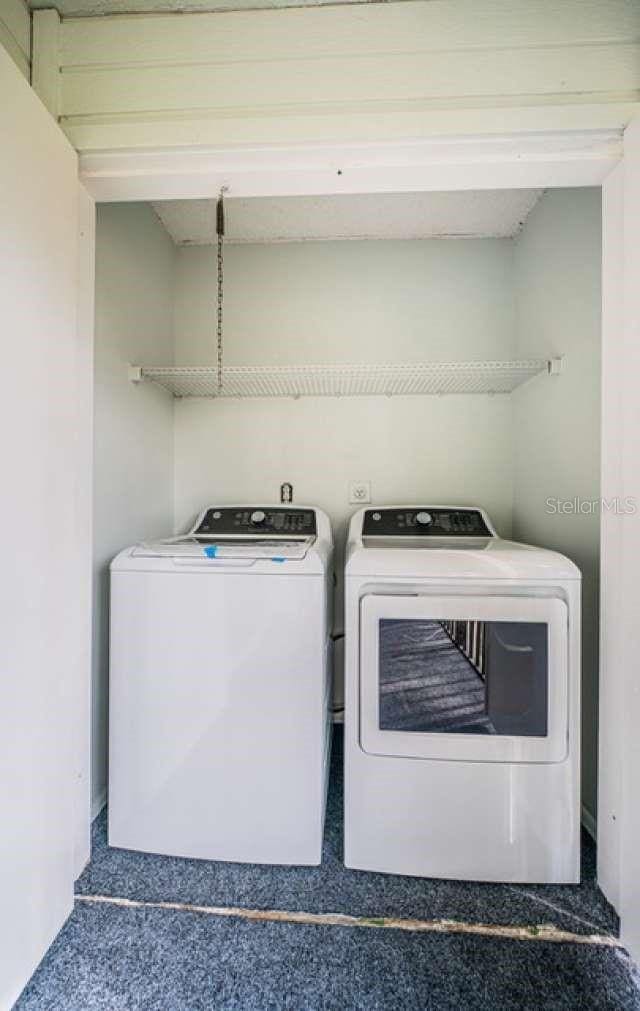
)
(463, 676)
(474, 679)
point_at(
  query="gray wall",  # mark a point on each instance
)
(133, 436)
(557, 420)
(385, 301)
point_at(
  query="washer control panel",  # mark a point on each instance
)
(257, 520)
(429, 521)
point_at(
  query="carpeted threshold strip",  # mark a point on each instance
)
(537, 932)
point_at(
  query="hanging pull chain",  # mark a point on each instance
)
(220, 235)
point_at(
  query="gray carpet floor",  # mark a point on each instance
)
(141, 959)
(334, 888)
(120, 960)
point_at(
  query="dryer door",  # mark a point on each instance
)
(481, 679)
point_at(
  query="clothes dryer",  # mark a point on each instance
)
(462, 734)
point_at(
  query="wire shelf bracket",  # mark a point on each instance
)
(337, 380)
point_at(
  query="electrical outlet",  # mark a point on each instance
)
(359, 492)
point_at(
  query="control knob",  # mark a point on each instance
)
(424, 519)
(258, 517)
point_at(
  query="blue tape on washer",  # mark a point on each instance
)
(211, 551)
(278, 559)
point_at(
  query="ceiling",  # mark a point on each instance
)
(83, 8)
(464, 214)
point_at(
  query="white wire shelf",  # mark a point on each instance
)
(365, 380)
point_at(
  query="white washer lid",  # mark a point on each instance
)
(246, 549)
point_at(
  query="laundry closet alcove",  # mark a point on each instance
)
(365, 312)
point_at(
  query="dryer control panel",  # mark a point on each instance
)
(427, 521)
(224, 520)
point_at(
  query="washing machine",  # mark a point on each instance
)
(220, 687)
(462, 735)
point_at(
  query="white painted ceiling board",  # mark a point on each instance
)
(87, 8)
(463, 214)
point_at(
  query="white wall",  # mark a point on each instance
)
(347, 301)
(84, 525)
(133, 442)
(623, 370)
(44, 593)
(557, 421)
